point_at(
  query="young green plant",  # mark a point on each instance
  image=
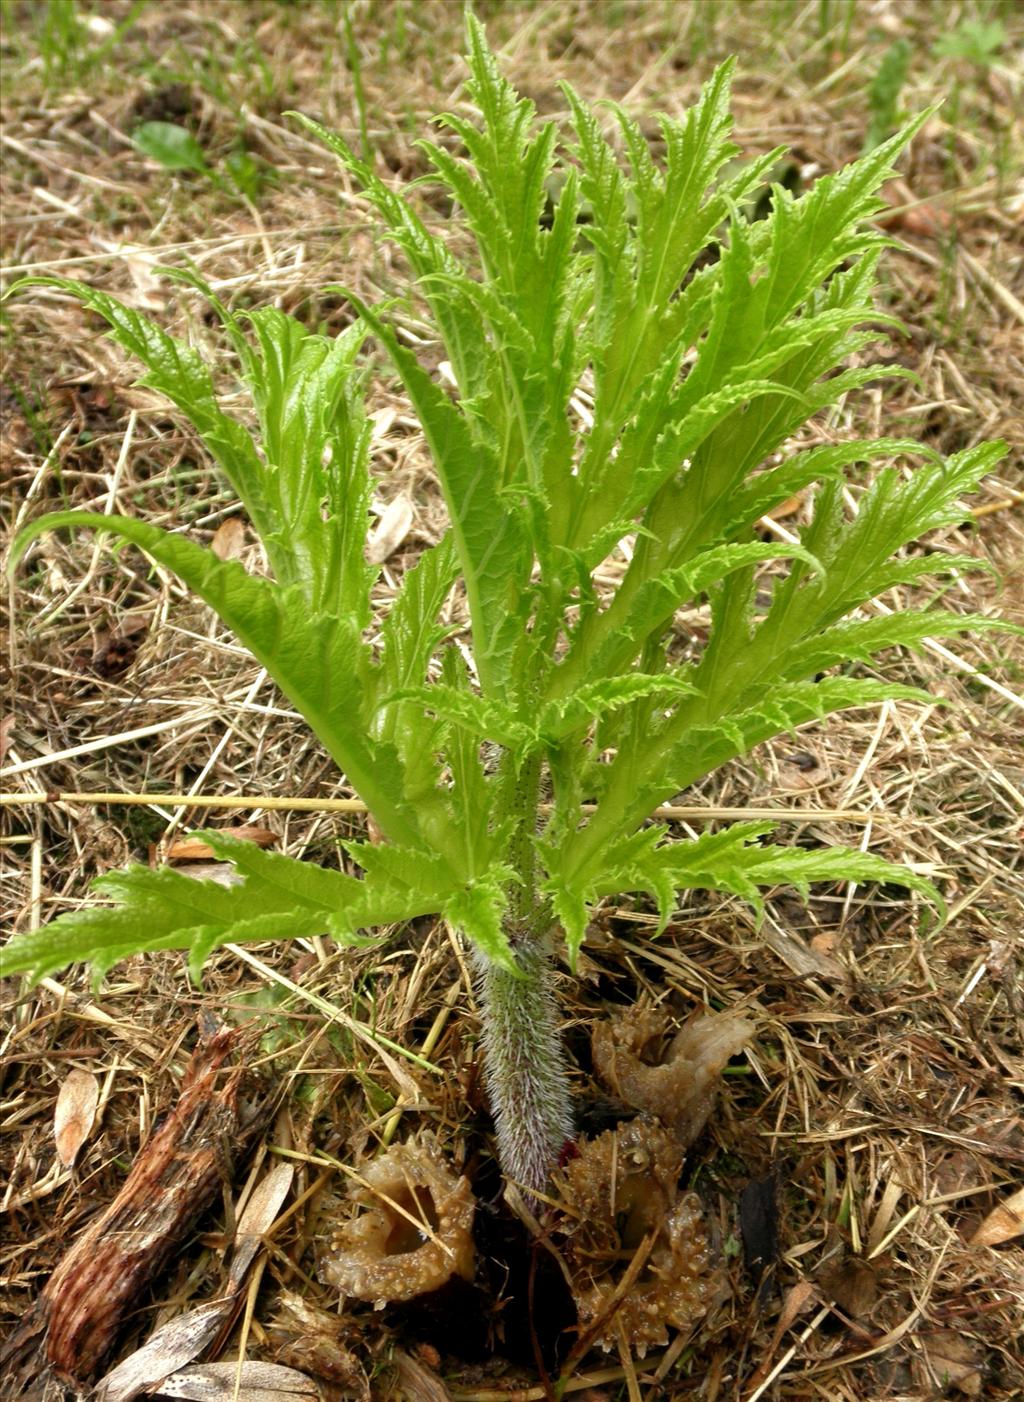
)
(631, 361)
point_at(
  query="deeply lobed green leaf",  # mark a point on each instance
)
(633, 362)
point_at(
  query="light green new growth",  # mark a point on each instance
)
(613, 378)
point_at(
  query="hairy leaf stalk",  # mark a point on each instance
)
(526, 1075)
(525, 1070)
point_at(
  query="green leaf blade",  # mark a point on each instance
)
(170, 145)
(316, 659)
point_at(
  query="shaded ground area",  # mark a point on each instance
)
(874, 1122)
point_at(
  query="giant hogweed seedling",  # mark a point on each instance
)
(697, 375)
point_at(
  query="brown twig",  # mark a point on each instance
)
(273, 803)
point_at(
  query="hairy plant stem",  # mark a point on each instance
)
(525, 1069)
(526, 1073)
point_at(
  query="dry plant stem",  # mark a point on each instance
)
(701, 812)
(526, 1075)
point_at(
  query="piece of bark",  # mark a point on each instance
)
(175, 1178)
(759, 1228)
(176, 1344)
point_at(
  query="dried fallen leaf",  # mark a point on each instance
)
(382, 421)
(224, 873)
(259, 1216)
(789, 507)
(1003, 1223)
(314, 1340)
(142, 265)
(801, 958)
(797, 1300)
(390, 530)
(115, 652)
(952, 1362)
(75, 1113)
(193, 849)
(256, 1382)
(922, 221)
(229, 539)
(852, 1285)
(911, 215)
(164, 1352)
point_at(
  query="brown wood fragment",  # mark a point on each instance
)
(176, 1176)
(759, 1229)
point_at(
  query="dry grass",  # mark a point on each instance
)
(883, 1090)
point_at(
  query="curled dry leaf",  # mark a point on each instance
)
(390, 530)
(1003, 1223)
(193, 849)
(229, 539)
(75, 1114)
